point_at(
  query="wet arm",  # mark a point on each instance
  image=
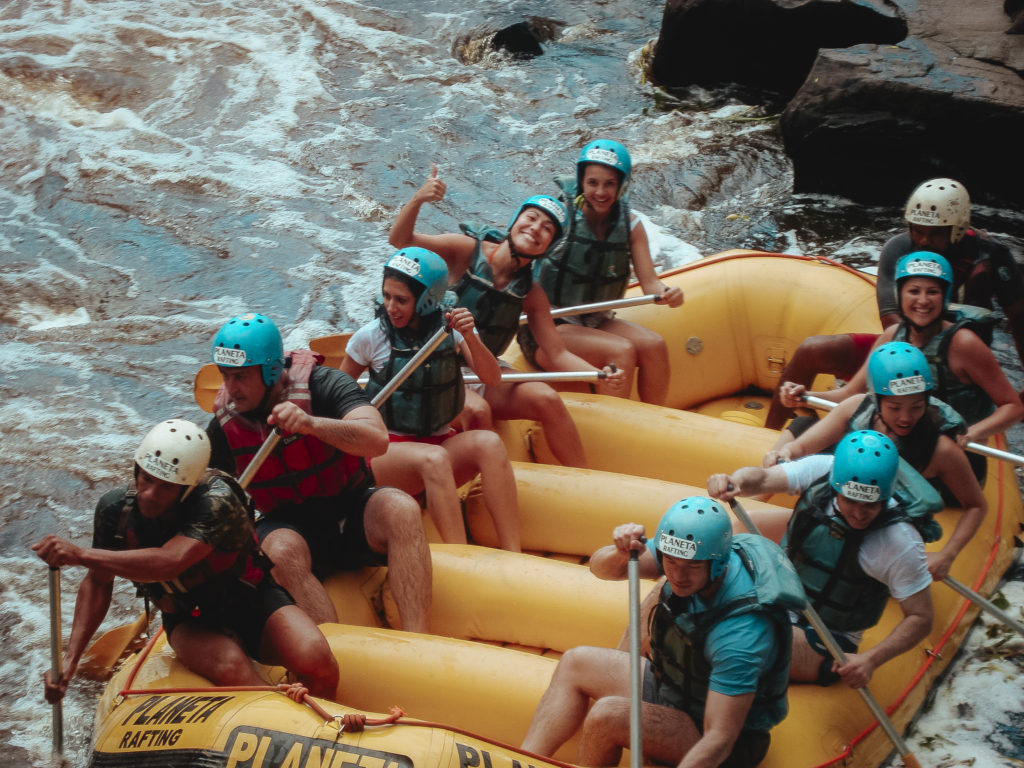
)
(955, 472)
(723, 721)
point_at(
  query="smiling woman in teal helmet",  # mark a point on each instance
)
(965, 373)
(923, 428)
(604, 241)
(493, 273)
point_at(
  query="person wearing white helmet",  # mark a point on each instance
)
(715, 681)
(854, 546)
(493, 272)
(185, 536)
(938, 217)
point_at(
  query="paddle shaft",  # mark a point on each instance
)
(837, 653)
(600, 306)
(524, 376)
(984, 604)
(635, 676)
(984, 450)
(56, 663)
(407, 370)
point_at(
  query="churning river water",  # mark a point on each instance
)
(167, 165)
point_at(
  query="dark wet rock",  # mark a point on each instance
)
(872, 121)
(518, 39)
(881, 93)
(767, 44)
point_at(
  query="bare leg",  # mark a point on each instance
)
(293, 570)
(415, 467)
(815, 355)
(583, 673)
(214, 655)
(536, 400)
(476, 413)
(290, 638)
(597, 348)
(651, 359)
(482, 451)
(806, 661)
(668, 734)
(393, 525)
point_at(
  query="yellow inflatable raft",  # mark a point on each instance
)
(501, 620)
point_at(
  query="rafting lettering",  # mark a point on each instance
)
(149, 738)
(171, 710)
(250, 747)
(469, 757)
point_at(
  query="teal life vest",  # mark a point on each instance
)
(918, 446)
(678, 636)
(433, 394)
(969, 400)
(583, 269)
(825, 550)
(495, 312)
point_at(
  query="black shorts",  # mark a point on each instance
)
(825, 674)
(236, 608)
(332, 529)
(750, 747)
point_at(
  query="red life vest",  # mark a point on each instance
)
(301, 467)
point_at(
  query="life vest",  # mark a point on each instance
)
(969, 400)
(433, 394)
(582, 268)
(678, 636)
(918, 446)
(825, 551)
(301, 466)
(495, 312)
(247, 564)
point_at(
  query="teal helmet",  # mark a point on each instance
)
(696, 528)
(247, 340)
(926, 264)
(425, 269)
(865, 466)
(898, 368)
(552, 206)
(605, 152)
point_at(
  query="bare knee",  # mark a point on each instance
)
(434, 464)
(608, 717)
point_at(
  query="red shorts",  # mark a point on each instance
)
(862, 344)
(429, 439)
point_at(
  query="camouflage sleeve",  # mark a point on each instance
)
(218, 516)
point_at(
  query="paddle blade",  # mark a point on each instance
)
(206, 385)
(99, 660)
(332, 348)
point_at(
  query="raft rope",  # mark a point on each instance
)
(353, 722)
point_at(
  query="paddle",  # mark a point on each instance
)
(600, 306)
(208, 381)
(105, 652)
(950, 582)
(830, 642)
(55, 658)
(636, 748)
(984, 450)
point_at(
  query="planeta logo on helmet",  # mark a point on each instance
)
(924, 269)
(606, 156)
(405, 264)
(551, 207)
(676, 547)
(159, 467)
(233, 358)
(910, 385)
(861, 491)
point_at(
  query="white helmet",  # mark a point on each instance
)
(940, 203)
(176, 451)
